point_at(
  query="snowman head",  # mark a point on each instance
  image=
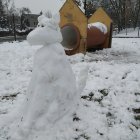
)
(47, 31)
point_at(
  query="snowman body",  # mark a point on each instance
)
(52, 92)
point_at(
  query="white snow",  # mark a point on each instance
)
(46, 33)
(4, 29)
(105, 109)
(53, 94)
(129, 32)
(102, 27)
(82, 6)
(112, 72)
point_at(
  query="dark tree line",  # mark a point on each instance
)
(125, 13)
(7, 10)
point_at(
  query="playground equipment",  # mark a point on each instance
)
(79, 36)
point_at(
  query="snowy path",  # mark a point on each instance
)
(110, 103)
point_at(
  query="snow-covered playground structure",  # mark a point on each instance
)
(81, 34)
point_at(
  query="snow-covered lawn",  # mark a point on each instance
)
(109, 108)
(129, 32)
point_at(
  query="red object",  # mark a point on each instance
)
(95, 37)
(71, 38)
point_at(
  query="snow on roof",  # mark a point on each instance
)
(102, 27)
(82, 6)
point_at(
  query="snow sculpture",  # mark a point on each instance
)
(52, 91)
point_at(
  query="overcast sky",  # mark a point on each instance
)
(40, 5)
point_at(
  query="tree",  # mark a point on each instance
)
(12, 9)
(1, 8)
(7, 12)
(2, 17)
(89, 6)
(136, 13)
(23, 11)
(126, 11)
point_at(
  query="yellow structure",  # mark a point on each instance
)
(72, 15)
(101, 16)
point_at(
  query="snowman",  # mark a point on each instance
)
(53, 92)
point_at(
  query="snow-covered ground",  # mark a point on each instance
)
(129, 32)
(4, 29)
(109, 108)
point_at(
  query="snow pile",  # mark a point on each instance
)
(52, 94)
(102, 27)
(76, 58)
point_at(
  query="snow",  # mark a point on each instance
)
(129, 32)
(102, 27)
(51, 107)
(4, 29)
(52, 94)
(45, 31)
(82, 6)
(105, 109)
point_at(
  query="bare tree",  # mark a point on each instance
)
(6, 5)
(1, 8)
(126, 12)
(22, 12)
(25, 10)
(2, 16)
(136, 13)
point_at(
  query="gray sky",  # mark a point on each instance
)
(37, 5)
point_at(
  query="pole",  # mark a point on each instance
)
(14, 27)
(139, 31)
